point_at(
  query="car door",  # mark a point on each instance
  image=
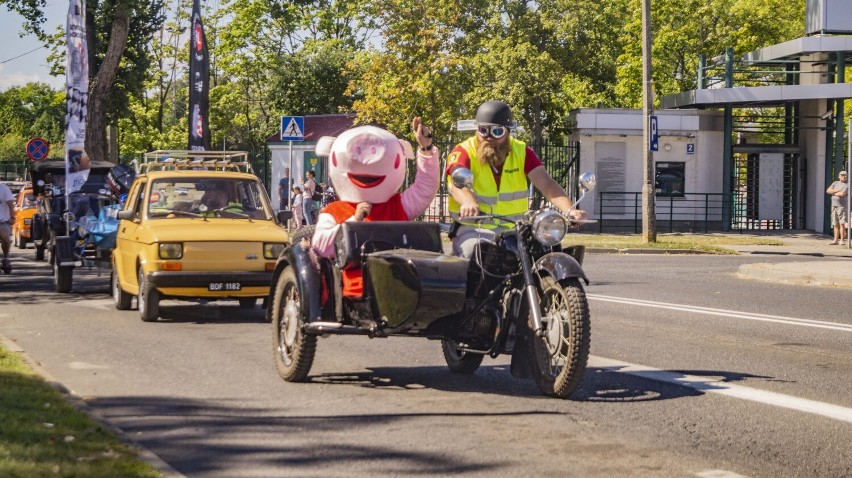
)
(127, 240)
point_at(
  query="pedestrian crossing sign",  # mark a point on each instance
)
(292, 128)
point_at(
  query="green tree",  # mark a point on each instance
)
(118, 33)
(29, 111)
(685, 29)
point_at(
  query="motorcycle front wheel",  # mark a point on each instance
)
(559, 356)
(293, 349)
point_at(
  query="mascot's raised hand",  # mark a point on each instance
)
(367, 167)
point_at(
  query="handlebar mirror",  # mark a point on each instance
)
(588, 181)
(462, 178)
(40, 183)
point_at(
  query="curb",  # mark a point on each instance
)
(145, 454)
(771, 273)
(613, 250)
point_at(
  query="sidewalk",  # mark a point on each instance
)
(804, 245)
(833, 269)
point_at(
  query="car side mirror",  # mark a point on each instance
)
(284, 216)
(127, 214)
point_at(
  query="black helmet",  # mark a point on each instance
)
(495, 112)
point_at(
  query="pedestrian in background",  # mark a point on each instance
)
(297, 206)
(309, 187)
(283, 190)
(839, 214)
(7, 217)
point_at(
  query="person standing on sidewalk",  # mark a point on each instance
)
(839, 214)
(7, 218)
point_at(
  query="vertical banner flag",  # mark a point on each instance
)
(76, 94)
(199, 83)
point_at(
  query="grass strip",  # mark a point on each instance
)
(714, 243)
(41, 434)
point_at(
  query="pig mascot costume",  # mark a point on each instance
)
(367, 167)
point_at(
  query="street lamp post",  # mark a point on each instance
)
(649, 223)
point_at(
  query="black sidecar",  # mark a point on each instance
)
(409, 284)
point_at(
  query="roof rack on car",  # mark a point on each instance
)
(174, 160)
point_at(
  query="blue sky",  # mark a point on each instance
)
(33, 66)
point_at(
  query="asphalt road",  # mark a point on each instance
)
(694, 373)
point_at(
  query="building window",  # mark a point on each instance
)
(669, 179)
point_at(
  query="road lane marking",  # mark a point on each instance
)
(725, 313)
(709, 385)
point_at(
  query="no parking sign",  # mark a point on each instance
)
(37, 149)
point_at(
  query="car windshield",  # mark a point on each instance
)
(206, 197)
(28, 202)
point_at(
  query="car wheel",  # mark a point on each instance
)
(22, 243)
(39, 252)
(122, 299)
(148, 299)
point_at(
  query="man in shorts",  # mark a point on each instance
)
(839, 214)
(7, 218)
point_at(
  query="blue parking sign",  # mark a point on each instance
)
(654, 134)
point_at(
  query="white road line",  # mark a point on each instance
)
(707, 385)
(725, 313)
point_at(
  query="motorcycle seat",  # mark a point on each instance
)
(357, 238)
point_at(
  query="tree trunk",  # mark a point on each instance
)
(102, 82)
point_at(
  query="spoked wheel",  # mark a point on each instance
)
(122, 299)
(460, 361)
(148, 299)
(293, 349)
(559, 357)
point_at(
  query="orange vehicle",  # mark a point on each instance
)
(25, 207)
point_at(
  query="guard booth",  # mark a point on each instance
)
(783, 122)
(687, 182)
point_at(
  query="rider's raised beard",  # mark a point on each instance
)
(492, 155)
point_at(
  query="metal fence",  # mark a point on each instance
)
(697, 212)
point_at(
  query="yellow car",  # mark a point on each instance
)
(25, 208)
(194, 233)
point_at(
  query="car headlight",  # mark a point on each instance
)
(549, 227)
(272, 250)
(28, 222)
(171, 250)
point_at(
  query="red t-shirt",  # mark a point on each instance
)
(531, 161)
(392, 210)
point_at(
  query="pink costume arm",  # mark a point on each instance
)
(419, 196)
(326, 230)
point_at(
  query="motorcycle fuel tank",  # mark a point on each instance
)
(413, 288)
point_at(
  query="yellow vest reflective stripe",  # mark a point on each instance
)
(512, 198)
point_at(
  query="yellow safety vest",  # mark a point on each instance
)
(512, 198)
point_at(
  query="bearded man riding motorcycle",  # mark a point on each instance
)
(501, 166)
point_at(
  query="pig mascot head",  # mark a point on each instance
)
(365, 164)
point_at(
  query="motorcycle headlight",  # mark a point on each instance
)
(271, 250)
(549, 227)
(171, 250)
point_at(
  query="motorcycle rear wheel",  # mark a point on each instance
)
(460, 361)
(293, 349)
(559, 357)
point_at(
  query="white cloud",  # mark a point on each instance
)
(17, 78)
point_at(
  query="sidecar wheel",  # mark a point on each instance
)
(293, 349)
(148, 300)
(559, 357)
(460, 361)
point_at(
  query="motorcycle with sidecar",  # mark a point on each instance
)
(520, 294)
